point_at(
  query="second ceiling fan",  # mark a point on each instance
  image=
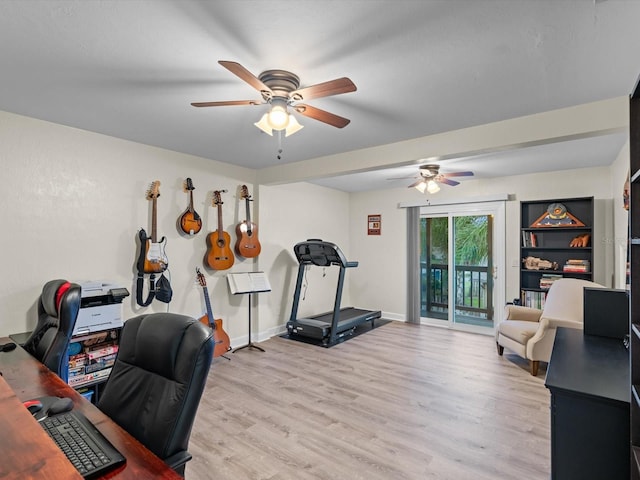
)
(281, 89)
(430, 177)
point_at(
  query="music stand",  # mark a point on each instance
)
(248, 283)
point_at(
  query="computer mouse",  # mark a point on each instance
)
(60, 405)
(34, 406)
(7, 347)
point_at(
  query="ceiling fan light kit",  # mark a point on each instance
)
(280, 89)
(278, 119)
(432, 187)
(278, 116)
(293, 126)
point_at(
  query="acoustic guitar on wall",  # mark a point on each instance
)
(155, 259)
(219, 255)
(190, 222)
(221, 340)
(247, 243)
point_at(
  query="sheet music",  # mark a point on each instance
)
(248, 282)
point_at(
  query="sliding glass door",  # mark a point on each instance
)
(434, 267)
(458, 265)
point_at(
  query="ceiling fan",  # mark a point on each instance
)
(281, 89)
(430, 177)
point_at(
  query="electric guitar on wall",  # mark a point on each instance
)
(220, 256)
(221, 340)
(155, 259)
(190, 221)
(247, 243)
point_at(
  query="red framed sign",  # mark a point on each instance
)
(374, 224)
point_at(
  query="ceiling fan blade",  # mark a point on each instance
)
(458, 174)
(224, 104)
(402, 178)
(322, 115)
(446, 181)
(416, 183)
(325, 89)
(245, 75)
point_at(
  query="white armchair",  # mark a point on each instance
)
(530, 332)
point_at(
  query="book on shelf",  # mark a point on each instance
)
(248, 282)
(85, 363)
(533, 299)
(577, 266)
(100, 363)
(91, 339)
(529, 239)
(547, 279)
(577, 261)
(102, 352)
(89, 377)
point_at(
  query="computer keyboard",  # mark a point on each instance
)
(83, 444)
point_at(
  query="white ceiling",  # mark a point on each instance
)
(131, 68)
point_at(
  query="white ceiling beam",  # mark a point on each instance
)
(581, 121)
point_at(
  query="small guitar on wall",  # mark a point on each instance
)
(247, 243)
(221, 340)
(190, 222)
(220, 256)
(155, 259)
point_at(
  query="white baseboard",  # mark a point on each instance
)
(257, 337)
(399, 317)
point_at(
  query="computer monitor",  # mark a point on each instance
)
(606, 312)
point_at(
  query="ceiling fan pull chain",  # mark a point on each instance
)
(279, 156)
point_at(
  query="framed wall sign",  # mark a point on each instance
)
(374, 224)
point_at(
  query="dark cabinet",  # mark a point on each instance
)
(588, 378)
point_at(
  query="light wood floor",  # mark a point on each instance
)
(400, 402)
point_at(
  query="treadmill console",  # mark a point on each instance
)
(320, 253)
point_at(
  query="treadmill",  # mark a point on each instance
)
(329, 327)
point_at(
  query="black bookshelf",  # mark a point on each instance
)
(634, 271)
(553, 244)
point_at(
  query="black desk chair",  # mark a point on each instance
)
(155, 386)
(58, 308)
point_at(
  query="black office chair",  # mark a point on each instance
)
(58, 308)
(157, 380)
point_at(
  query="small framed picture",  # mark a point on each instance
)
(374, 224)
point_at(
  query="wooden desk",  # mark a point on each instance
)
(26, 378)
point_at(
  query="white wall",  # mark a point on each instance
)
(383, 273)
(290, 214)
(72, 205)
(619, 173)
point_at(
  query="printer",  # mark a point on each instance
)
(100, 307)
